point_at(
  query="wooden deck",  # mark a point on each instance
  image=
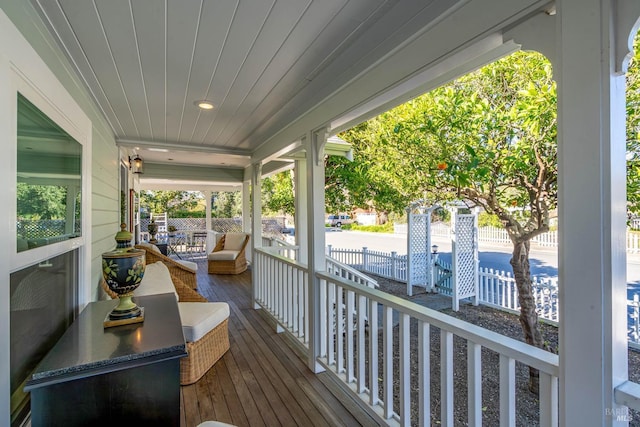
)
(261, 381)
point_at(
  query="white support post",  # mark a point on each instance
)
(208, 209)
(591, 208)
(301, 216)
(246, 206)
(455, 303)
(410, 257)
(246, 217)
(476, 258)
(430, 265)
(256, 223)
(314, 145)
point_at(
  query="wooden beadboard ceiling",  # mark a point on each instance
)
(146, 62)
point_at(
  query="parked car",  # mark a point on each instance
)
(338, 220)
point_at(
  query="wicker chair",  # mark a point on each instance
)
(206, 351)
(228, 256)
(178, 270)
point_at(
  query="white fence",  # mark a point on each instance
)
(499, 235)
(364, 361)
(497, 288)
(389, 265)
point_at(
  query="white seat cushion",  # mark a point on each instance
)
(198, 318)
(234, 241)
(223, 255)
(156, 280)
(150, 247)
(189, 264)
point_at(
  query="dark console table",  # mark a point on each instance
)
(124, 375)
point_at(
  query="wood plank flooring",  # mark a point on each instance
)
(261, 381)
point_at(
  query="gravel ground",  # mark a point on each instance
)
(527, 405)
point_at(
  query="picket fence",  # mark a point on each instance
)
(496, 288)
(499, 235)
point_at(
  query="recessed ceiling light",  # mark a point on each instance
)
(204, 104)
(159, 150)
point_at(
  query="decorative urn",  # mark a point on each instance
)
(152, 228)
(122, 270)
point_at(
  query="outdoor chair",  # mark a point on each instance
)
(184, 270)
(228, 256)
(205, 325)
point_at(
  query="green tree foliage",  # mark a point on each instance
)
(277, 194)
(633, 131)
(226, 204)
(171, 202)
(37, 202)
(488, 139)
(358, 183)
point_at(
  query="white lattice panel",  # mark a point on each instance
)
(465, 256)
(418, 249)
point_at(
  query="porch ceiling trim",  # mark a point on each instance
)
(192, 173)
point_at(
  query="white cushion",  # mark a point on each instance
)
(223, 255)
(189, 264)
(234, 241)
(156, 280)
(150, 246)
(198, 318)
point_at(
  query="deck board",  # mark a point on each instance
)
(261, 381)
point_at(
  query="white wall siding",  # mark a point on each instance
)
(68, 99)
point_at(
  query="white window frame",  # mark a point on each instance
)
(21, 69)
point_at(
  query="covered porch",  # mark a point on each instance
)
(287, 77)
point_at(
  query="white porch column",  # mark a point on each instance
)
(301, 217)
(207, 219)
(246, 213)
(256, 221)
(592, 199)
(314, 146)
(246, 205)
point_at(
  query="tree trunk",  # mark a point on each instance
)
(528, 315)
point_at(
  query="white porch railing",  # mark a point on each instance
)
(349, 273)
(497, 288)
(283, 248)
(282, 290)
(349, 350)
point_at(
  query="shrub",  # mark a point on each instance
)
(386, 228)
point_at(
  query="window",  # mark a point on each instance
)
(43, 303)
(49, 180)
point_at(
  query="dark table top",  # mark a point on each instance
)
(86, 348)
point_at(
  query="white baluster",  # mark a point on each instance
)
(387, 376)
(446, 378)
(373, 353)
(474, 384)
(424, 372)
(507, 391)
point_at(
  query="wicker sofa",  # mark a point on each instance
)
(228, 256)
(205, 324)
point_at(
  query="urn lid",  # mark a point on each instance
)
(123, 240)
(123, 236)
